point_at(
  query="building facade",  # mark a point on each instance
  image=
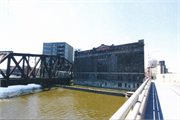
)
(159, 68)
(59, 48)
(120, 66)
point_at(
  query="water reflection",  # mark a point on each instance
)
(61, 104)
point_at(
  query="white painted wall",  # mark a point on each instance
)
(168, 78)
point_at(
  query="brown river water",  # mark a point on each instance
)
(61, 103)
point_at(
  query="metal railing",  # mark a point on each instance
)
(135, 105)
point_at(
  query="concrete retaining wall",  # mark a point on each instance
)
(125, 85)
(96, 91)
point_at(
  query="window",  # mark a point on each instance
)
(125, 84)
(133, 78)
(54, 53)
(119, 84)
(133, 85)
(105, 77)
(137, 78)
(87, 76)
(47, 53)
(54, 45)
(105, 83)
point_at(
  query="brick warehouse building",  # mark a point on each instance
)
(120, 67)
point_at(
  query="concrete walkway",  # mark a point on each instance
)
(163, 102)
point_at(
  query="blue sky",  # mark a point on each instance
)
(85, 24)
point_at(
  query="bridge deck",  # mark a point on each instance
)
(163, 102)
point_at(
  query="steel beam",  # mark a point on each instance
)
(55, 66)
(15, 67)
(23, 57)
(4, 58)
(28, 66)
(2, 73)
(22, 72)
(50, 67)
(8, 68)
(32, 71)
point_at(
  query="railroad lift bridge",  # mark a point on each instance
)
(47, 71)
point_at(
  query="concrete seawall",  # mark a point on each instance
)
(96, 91)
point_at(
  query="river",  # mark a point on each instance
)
(60, 103)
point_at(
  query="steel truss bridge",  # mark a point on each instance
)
(46, 67)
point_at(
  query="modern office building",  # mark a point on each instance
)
(59, 48)
(120, 66)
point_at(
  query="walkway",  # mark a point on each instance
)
(163, 102)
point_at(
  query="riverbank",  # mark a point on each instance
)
(18, 90)
(114, 92)
(21, 90)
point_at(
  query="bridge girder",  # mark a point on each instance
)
(48, 66)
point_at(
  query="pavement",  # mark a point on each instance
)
(163, 102)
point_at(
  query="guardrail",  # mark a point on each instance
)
(135, 105)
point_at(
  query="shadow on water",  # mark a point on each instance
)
(153, 110)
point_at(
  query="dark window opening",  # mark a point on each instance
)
(105, 83)
(133, 78)
(119, 84)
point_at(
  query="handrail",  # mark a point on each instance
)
(133, 103)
